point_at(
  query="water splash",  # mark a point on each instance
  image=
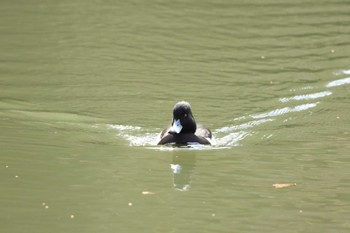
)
(135, 135)
(232, 135)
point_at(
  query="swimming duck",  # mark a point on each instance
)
(183, 129)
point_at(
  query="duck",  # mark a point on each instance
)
(184, 130)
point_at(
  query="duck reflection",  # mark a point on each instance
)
(183, 165)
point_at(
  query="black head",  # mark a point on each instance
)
(183, 120)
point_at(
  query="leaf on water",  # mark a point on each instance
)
(148, 193)
(284, 185)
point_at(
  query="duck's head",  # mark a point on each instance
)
(183, 120)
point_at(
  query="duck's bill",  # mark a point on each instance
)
(176, 127)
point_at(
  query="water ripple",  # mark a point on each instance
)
(339, 82)
(231, 135)
(343, 72)
(232, 139)
(282, 111)
(307, 96)
(242, 126)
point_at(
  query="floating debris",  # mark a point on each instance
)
(148, 193)
(284, 185)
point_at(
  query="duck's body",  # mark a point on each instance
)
(184, 129)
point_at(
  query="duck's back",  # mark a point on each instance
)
(201, 136)
(203, 131)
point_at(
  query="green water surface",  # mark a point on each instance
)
(86, 86)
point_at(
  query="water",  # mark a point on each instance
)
(86, 87)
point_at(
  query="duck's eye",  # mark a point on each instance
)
(185, 115)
